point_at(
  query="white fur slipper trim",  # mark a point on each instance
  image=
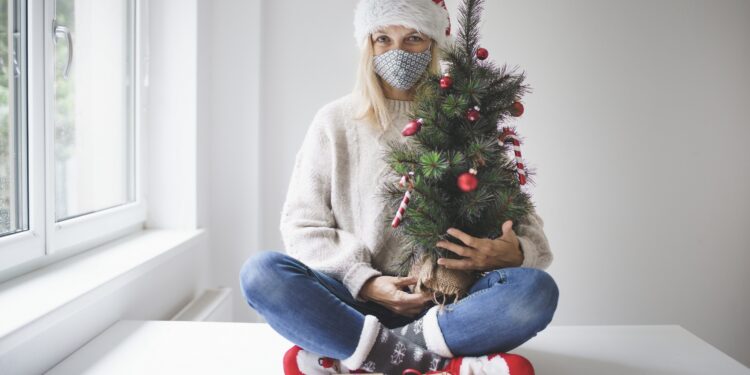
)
(483, 366)
(366, 341)
(433, 336)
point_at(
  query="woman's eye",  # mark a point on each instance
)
(382, 39)
(416, 38)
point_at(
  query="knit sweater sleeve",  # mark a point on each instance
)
(308, 225)
(534, 243)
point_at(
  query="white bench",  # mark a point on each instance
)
(178, 347)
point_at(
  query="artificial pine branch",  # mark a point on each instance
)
(468, 20)
(447, 145)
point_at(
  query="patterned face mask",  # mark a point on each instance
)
(402, 69)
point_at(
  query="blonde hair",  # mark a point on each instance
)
(369, 96)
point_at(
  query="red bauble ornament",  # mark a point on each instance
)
(467, 181)
(473, 114)
(516, 109)
(446, 82)
(412, 127)
(482, 53)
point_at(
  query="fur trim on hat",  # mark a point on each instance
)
(425, 16)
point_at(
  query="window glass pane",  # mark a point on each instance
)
(13, 155)
(94, 105)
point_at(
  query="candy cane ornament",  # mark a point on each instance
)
(509, 136)
(404, 202)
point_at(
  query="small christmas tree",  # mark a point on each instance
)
(454, 171)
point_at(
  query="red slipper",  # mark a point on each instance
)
(493, 364)
(298, 361)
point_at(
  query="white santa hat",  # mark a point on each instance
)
(429, 17)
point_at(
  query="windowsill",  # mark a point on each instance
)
(30, 297)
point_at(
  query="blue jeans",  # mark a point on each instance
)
(504, 309)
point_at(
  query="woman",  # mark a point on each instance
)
(334, 294)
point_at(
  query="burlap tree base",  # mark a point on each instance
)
(444, 284)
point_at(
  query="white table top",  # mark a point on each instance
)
(177, 347)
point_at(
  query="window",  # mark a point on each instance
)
(13, 213)
(69, 124)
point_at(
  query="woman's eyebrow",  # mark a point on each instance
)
(378, 34)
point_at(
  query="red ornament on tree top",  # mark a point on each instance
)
(516, 109)
(482, 53)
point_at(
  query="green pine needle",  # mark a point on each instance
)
(433, 164)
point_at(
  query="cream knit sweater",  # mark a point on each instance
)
(332, 218)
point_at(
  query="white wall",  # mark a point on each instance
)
(636, 128)
(233, 98)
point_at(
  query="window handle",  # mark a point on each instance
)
(64, 31)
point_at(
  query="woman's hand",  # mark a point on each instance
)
(483, 254)
(386, 290)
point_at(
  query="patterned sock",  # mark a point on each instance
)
(380, 350)
(426, 333)
(413, 332)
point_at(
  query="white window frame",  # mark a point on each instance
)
(47, 242)
(23, 246)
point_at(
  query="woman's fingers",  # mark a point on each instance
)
(467, 239)
(403, 302)
(456, 264)
(420, 306)
(405, 281)
(409, 304)
(458, 249)
(410, 298)
(413, 301)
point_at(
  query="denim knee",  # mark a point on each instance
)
(261, 272)
(545, 295)
(535, 299)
